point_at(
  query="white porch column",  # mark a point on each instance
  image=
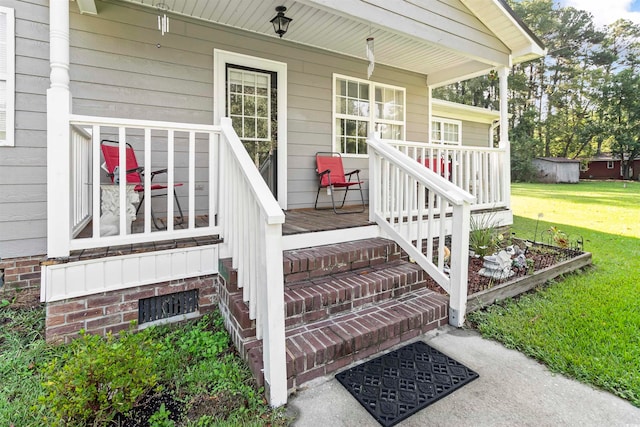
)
(503, 74)
(58, 144)
(429, 112)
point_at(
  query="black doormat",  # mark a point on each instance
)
(396, 385)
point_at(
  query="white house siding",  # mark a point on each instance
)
(23, 171)
(475, 134)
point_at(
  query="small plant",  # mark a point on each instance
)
(160, 418)
(98, 378)
(4, 303)
(530, 266)
(559, 237)
(484, 238)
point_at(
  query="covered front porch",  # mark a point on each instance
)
(168, 98)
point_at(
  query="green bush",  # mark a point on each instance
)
(98, 378)
(484, 238)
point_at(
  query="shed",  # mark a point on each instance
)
(557, 170)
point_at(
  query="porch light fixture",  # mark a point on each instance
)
(281, 22)
(163, 20)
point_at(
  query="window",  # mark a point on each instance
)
(7, 76)
(609, 164)
(445, 131)
(360, 105)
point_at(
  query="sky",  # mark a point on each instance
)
(607, 11)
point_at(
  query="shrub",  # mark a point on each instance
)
(98, 378)
(484, 238)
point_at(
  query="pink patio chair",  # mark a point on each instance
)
(332, 177)
(135, 176)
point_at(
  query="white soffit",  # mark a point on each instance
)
(453, 110)
(416, 35)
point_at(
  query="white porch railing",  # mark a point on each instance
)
(476, 170)
(152, 138)
(81, 166)
(252, 223)
(418, 208)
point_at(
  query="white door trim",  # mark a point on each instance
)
(220, 60)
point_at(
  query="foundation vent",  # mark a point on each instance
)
(166, 306)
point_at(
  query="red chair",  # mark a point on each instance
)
(437, 165)
(135, 174)
(332, 177)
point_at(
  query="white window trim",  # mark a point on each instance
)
(371, 119)
(442, 121)
(10, 77)
(610, 164)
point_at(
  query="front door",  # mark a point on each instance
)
(251, 103)
(252, 92)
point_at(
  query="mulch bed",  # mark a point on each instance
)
(541, 255)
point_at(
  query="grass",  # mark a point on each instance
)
(193, 364)
(588, 325)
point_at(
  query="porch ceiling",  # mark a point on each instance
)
(416, 35)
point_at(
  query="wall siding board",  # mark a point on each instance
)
(16, 211)
(36, 85)
(475, 134)
(17, 248)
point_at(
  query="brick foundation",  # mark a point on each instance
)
(20, 273)
(114, 311)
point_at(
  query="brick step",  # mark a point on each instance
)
(321, 348)
(319, 261)
(316, 299)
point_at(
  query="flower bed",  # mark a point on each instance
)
(543, 263)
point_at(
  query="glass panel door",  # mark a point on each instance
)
(252, 107)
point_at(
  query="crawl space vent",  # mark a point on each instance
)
(166, 306)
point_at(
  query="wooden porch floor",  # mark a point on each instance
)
(300, 221)
(297, 221)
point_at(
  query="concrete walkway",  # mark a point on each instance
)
(513, 390)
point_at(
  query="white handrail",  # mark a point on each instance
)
(419, 208)
(251, 222)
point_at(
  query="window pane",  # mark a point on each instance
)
(364, 109)
(351, 146)
(364, 91)
(352, 89)
(237, 125)
(262, 107)
(263, 128)
(249, 127)
(249, 106)
(235, 104)
(363, 129)
(362, 146)
(341, 87)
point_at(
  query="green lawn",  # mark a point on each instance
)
(586, 326)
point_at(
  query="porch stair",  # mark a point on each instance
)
(343, 302)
